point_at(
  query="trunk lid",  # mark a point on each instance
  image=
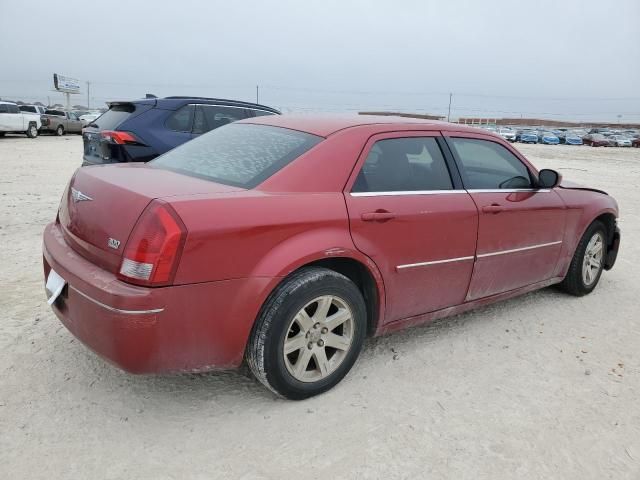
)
(101, 206)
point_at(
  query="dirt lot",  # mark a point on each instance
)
(542, 386)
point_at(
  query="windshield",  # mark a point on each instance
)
(241, 155)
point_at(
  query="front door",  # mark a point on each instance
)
(520, 228)
(407, 215)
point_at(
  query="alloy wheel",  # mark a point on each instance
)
(592, 261)
(318, 338)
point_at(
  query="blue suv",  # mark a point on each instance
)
(140, 130)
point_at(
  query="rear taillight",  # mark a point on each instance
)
(153, 250)
(120, 138)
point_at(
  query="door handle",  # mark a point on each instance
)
(377, 216)
(493, 208)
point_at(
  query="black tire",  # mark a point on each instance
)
(265, 350)
(573, 282)
(60, 130)
(32, 130)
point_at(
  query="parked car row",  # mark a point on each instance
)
(595, 137)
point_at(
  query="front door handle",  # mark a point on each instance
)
(493, 208)
(377, 216)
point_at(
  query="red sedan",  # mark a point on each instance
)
(285, 241)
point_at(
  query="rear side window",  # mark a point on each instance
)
(3, 108)
(489, 165)
(404, 165)
(242, 155)
(209, 117)
(113, 117)
(12, 108)
(181, 120)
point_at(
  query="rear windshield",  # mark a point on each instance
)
(241, 155)
(113, 117)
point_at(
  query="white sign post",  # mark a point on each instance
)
(67, 85)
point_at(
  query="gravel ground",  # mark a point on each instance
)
(541, 386)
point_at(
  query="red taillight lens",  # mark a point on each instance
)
(154, 248)
(118, 137)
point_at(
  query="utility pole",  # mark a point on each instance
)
(449, 112)
(88, 89)
(257, 94)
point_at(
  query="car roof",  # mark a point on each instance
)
(7, 103)
(324, 125)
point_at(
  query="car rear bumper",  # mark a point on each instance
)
(184, 328)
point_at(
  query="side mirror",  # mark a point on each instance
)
(548, 178)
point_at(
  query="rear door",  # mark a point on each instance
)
(521, 227)
(412, 218)
(74, 123)
(15, 118)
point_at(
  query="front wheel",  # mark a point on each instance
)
(60, 130)
(32, 131)
(587, 263)
(309, 333)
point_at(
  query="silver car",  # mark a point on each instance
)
(621, 141)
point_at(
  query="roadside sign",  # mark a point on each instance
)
(66, 84)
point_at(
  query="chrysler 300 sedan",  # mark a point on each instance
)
(284, 241)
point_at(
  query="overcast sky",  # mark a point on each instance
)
(555, 59)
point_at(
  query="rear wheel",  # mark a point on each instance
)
(32, 131)
(587, 263)
(309, 333)
(60, 130)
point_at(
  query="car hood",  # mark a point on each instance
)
(566, 184)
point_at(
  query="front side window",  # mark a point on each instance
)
(489, 165)
(404, 165)
(181, 120)
(241, 155)
(209, 117)
(28, 108)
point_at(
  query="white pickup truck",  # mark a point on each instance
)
(12, 120)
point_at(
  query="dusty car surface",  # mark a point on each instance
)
(285, 241)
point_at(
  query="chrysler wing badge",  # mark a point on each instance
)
(78, 196)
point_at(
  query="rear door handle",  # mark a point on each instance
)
(378, 216)
(493, 208)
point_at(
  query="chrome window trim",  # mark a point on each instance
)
(443, 192)
(404, 192)
(507, 190)
(116, 310)
(521, 249)
(434, 262)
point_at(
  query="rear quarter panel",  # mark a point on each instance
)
(259, 234)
